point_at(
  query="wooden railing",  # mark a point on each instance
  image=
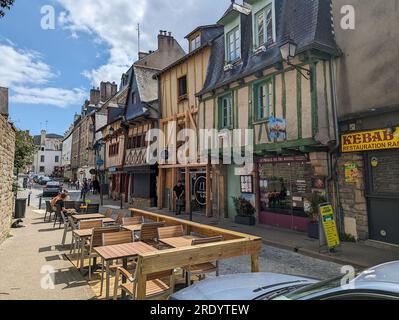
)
(235, 244)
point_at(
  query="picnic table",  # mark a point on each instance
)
(179, 242)
(123, 252)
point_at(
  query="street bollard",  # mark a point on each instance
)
(40, 203)
(30, 193)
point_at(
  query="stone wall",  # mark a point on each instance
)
(353, 200)
(7, 150)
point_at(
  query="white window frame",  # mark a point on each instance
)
(266, 39)
(237, 45)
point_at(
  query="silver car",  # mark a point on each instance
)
(378, 283)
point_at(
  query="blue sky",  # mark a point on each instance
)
(50, 72)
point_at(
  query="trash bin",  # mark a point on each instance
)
(20, 208)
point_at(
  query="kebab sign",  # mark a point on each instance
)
(371, 140)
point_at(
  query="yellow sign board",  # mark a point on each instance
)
(330, 227)
(370, 140)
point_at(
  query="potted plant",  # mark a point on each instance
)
(245, 211)
(312, 211)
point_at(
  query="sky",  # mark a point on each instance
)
(49, 65)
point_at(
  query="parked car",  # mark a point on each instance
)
(44, 180)
(378, 283)
(52, 189)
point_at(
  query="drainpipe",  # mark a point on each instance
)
(331, 164)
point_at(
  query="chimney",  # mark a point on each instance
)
(142, 55)
(95, 96)
(43, 138)
(164, 39)
(4, 101)
(107, 90)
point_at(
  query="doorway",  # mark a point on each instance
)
(382, 169)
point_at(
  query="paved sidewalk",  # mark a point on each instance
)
(29, 252)
(361, 255)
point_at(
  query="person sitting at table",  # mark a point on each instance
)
(53, 201)
(60, 204)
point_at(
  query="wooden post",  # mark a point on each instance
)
(255, 263)
(141, 281)
(172, 199)
(208, 192)
(187, 191)
(160, 188)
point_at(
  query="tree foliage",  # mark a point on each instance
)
(24, 150)
(5, 5)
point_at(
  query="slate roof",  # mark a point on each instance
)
(306, 22)
(38, 139)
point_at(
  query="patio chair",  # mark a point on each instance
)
(69, 225)
(170, 232)
(110, 239)
(108, 213)
(59, 217)
(97, 241)
(93, 208)
(204, 268)
(156, 288)
(49, 210)
(132, 221)
(149, 233)
(119, 219)
(85, 225)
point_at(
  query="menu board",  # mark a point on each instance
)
(247, 184)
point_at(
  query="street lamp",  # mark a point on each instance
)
(288, 52)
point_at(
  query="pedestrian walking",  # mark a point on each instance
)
(84, 190)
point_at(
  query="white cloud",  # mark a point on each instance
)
(61, 98)
(114, 23)
(28, 77)
(22, 66)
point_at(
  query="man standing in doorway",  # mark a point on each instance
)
(178, 193)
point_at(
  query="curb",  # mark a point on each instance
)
(316, 255)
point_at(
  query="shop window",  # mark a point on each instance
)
(284, 187)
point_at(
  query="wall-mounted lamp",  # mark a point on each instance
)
(288, 52)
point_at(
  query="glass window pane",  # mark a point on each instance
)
(260, 28)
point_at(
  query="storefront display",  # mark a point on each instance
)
(284, 186)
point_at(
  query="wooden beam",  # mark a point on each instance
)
(208, 206)
(169, 259)
(205, 230)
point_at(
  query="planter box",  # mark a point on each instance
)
(313, 230)
(245, 220)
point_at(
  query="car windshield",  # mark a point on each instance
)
(310, 290)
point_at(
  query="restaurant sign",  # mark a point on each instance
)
(370, 140)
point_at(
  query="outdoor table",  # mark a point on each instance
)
(179, 242)
(133, 228)
(91, 216)
(121, 251)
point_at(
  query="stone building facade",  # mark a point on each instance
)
(7, 151)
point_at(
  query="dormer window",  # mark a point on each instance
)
(233, 45)
(264, 26)
(195, 43)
